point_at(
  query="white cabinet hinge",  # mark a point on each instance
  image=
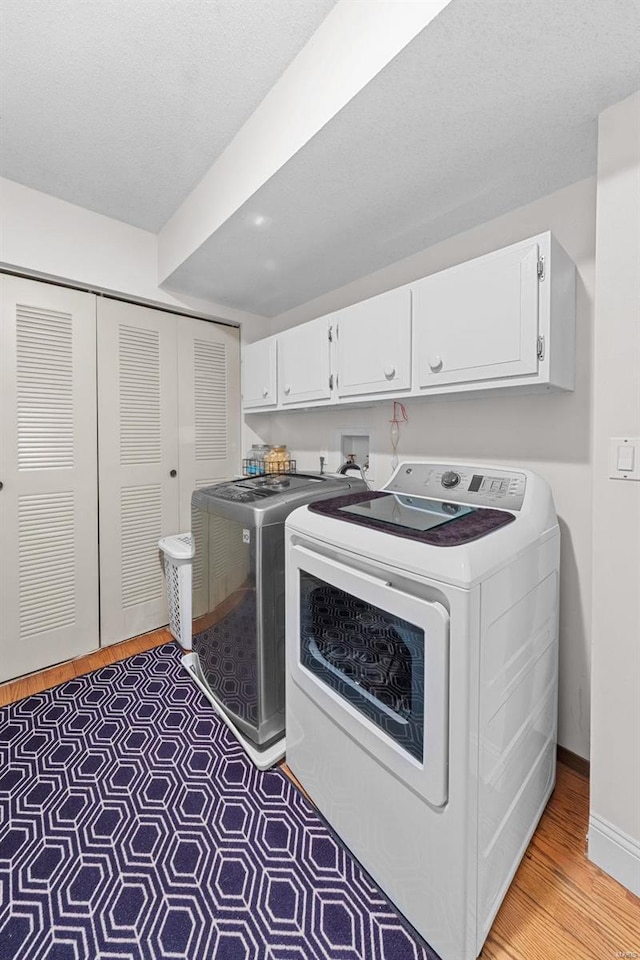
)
(541, 269)
(540, 348)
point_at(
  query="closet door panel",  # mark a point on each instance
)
(138, 452)
(48, 470)
(209, 408)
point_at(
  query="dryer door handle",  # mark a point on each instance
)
(336, 565)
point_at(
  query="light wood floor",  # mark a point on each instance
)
(44, 679)
(559, 906)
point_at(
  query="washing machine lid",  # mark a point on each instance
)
(256, 489)
(270, 498)
(415, 513)
(436, 522)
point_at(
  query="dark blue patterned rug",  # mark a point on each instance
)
(133, 826)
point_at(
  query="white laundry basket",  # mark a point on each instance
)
(177, 556)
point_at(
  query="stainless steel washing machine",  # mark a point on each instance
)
(239, 598)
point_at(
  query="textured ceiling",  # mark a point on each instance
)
(122, 105)
(490, 107)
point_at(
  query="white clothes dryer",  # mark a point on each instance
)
(422, 649)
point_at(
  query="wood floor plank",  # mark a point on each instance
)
(590, 925)
(543, 887)
(566, 853)
(520, 933)
(621, 908)
(35, 683)
(574, 908)
(45, 679)
(577, 763)
(560, 904)
(286, 769)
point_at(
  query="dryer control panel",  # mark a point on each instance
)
(473, 485)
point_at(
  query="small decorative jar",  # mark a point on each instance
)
(278, 460)
(256, 457)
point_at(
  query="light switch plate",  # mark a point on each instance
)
(624, 458)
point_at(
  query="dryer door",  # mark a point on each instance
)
(375, 659)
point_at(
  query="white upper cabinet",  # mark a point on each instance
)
(503, 320)
(259, 376)
(304, 363)
(479, 320)
(374, 345)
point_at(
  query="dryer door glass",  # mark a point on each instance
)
(370, 657)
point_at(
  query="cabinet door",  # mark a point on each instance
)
(304, 362)
(48, 469)
(479, 320)
(138, 452)
(374, 345)
(259, 374)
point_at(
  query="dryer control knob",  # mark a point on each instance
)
(450, 478)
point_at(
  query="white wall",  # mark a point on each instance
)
(614, 835)
(51, 238)
(548, 434)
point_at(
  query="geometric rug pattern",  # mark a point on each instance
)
(133, 826)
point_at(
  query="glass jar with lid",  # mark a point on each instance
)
(256, 457)
(278, 459)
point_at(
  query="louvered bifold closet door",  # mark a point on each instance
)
(209, 405)
(138, 453)
(48, 467)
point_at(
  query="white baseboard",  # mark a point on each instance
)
(615, 852)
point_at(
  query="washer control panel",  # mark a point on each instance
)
(473, 485)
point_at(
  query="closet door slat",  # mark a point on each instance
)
(209, 404)
(138, 449)
(48, 469)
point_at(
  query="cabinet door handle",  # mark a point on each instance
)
(435, 362)
(173, 473)
(265, 391)
(389, 371)
(287, 389)
(1, 484)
